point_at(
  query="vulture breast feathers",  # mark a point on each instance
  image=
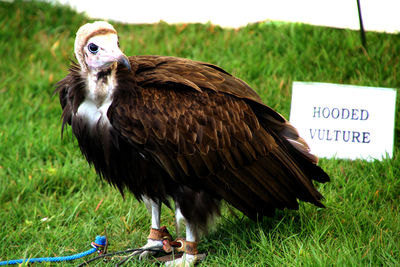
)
(187, 130)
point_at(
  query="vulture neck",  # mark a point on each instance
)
(101, 84)
(98, 96)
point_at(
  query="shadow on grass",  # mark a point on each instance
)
(245, 233)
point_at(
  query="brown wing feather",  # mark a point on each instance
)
(71, 93)
(211, 131)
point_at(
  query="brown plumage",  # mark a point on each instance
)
(191, 132)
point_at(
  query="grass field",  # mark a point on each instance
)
(52, 203)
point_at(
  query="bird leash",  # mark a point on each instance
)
(172, 249)
(98, 245)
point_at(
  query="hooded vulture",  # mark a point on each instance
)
(173, 129)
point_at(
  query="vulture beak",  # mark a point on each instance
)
(122, 59)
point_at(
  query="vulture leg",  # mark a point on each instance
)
(179, 221)
(189, 245)
(153, 240)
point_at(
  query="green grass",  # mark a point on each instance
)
(42, 176)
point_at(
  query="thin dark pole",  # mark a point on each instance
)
(362, 31)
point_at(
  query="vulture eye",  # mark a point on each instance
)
(93, 48)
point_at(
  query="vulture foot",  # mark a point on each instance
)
(185, 261)
(155, 245)
(155, 242)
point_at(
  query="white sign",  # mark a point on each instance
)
(344, 121)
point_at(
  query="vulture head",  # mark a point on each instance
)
(97, 47)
